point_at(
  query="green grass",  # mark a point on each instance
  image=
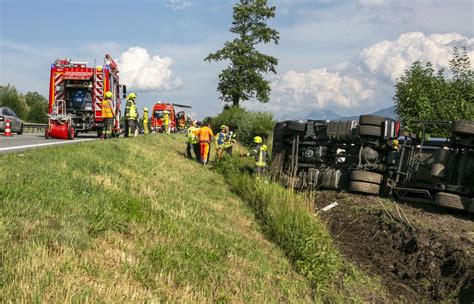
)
(289, 220)
(133, 221)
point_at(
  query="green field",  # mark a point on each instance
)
(132, 220)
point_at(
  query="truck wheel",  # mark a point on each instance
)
(368, 177)
(366, 130)
(452, 201)
(463, 127)
(295, 125)
(367, 188)
(99, 133)
(371, 120)
(46, 132)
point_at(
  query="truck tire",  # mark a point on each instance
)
(46, 132)
(463, 127)
(368, 177)
(371, 120)
(452, 201)
(366, 188)
(99, 133)
(70, 132)
(366, 130)
(295, 125)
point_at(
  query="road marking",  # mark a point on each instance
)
(46, 144)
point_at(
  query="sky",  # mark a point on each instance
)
(343, 56)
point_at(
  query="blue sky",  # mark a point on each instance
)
(342, 56)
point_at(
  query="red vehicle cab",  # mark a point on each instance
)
(80, 90)
(176, 118)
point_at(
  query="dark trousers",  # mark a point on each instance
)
(132, 126)
(189, 147)
(126, 128)
(228, 150)
(107, 129)
(197, 151)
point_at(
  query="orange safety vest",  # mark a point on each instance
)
(107, 108)
(205, 134)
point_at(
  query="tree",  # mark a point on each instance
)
(38, 107)
(243, 78)
(422, 94)
(9, 97)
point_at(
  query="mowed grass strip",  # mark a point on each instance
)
(132, 220)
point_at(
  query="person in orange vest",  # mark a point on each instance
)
(205, 137)
(107, 115)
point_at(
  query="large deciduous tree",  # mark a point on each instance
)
(243, 77)
(424, 94)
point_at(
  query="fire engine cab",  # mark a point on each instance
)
(176, 118)
(75, 96)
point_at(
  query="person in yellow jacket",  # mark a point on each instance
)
(220, 142)
(131, 114)
(193, 141)
(261, 156)
(166, 122)
(145, 121)
(107, 115)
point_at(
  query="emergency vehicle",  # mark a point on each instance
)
(79, 90)
(177, 119)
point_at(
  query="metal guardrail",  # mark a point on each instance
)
(33, 127)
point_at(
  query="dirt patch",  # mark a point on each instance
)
(420, 255)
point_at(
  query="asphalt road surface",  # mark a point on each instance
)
(25, 141)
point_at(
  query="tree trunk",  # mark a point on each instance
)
(235, 100)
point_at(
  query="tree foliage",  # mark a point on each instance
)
(31, 107)
(424, 94)
(243, 77)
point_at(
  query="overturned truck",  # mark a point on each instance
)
(371, 156)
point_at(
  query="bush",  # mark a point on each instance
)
(246, 124)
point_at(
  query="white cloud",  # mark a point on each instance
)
(140, 71)
(178, 4)
(366, 82)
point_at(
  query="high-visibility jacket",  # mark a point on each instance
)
(107, 108)
(127, 108)
(229, 139)
(133, 113)
(166, 119)
(261, 155)
(205, 134)
(220, 140)
(145, 116)
(193, 135)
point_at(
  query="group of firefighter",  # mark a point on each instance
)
(199, 136)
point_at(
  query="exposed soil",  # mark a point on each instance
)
(427, 258)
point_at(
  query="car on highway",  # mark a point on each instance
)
(16, 124)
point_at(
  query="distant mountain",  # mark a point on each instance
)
(330, 115)
(387, 112)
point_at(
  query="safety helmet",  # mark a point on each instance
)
(109, 95)
(145, 109)
(257, 140)
(132, 96)
(223, 127)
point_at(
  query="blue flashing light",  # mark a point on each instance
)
(53, 66)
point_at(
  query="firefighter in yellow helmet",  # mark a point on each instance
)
(131, 115)
(107, 115)
(145, 121)
(220, 142)
(261, 156)
(167, 121)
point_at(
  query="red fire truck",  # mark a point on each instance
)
(176, 118)
(75, 97)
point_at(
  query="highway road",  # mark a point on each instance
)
(23, 142)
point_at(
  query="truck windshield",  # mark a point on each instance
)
(158, 114)
(78, 98)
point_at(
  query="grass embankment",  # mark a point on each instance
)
(289, 220)
(132, 221)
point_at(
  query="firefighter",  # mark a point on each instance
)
(205, 137)
(166, 122)
(220, 142)
(189, 121)
(130, 101)
(132, 114)
(108, 115)
(229, 141)
(261, 156)
(145, 121)
(193, 141)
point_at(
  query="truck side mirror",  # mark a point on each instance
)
(124, 91)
